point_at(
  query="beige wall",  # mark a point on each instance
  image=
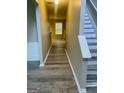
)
(73, 48)
(45, 28)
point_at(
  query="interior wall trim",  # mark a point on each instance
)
(47, 54)
(75, 77)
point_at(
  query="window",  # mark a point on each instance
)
(58, 28)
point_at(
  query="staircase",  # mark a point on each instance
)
(91, 37)
(55, 77)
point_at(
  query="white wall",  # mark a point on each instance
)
(32, 35)
(33, 53)
(38, 31)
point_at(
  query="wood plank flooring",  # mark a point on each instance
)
(55, 77)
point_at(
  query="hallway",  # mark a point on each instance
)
(56, 76)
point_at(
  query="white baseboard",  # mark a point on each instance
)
(83, 90)
(75, 77)
(92, 84)
(41, 65)
(47, 54)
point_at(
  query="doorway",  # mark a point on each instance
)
(58, 34)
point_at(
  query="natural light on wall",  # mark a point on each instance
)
(56, 2)
(58, 27)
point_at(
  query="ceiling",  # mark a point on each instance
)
(57, 12)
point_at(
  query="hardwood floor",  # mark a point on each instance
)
(55, 77)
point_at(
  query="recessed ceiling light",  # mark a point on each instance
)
(56, 2)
